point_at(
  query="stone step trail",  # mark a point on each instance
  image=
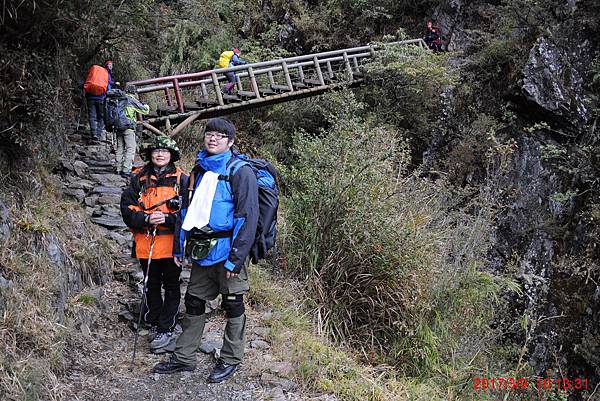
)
(88, 169)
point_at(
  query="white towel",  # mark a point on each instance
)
(198, 213)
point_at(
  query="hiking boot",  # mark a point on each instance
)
(172, 366)
(152, 332)
(161, 340)
(221, 371)
(170, 347)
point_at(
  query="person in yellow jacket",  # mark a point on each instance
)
(150, 207)
(230, 58)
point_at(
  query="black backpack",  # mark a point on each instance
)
(114, 111)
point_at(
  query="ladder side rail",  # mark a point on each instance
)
(244, 74)
(348, 67)
(178, 97)
(167, 97)
(217, 89)
(288, 60)
(288, 78)
(253, 83)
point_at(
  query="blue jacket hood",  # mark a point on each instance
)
(214, 163)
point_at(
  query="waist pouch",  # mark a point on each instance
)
(200, 242)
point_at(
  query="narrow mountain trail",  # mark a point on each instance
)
(106, 372)
(101, 367)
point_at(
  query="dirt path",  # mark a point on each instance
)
(101, 371)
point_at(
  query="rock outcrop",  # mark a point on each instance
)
(552, 81)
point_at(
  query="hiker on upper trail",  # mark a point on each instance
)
(150, 207)
(219, 226)
(230, 58)
(97, 83)
(125, 135)
(433, 37)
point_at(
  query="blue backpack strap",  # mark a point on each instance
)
(235, 164)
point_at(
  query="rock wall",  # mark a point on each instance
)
(544, 235)
(553, 80)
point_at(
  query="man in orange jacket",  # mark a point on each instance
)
(95, 104)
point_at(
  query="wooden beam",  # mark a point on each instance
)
(152, 128)
(217, 88)
(184, 124)
(252, 103)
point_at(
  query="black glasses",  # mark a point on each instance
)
(216, 135)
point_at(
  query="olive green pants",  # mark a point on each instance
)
(206, 283)
(125, 151)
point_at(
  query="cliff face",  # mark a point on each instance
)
(547, 233)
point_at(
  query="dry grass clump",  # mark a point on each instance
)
(52, 252)
(392, 261)
(319, 365)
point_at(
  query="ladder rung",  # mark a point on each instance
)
(232, 98)
(166, 110)
(280, 88)
(246, 94)
(312, 82)
(268, 92)
(192, 108)
(206, 102)
(300, 85)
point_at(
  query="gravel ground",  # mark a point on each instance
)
(101, 369)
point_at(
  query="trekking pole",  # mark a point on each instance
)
(83, 102)
(274, 259)
(78, 118)
(139, 322)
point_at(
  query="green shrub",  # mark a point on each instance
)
(312, 115)
(406, 86)
(392, 262)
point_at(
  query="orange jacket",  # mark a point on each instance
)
(147, 194)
